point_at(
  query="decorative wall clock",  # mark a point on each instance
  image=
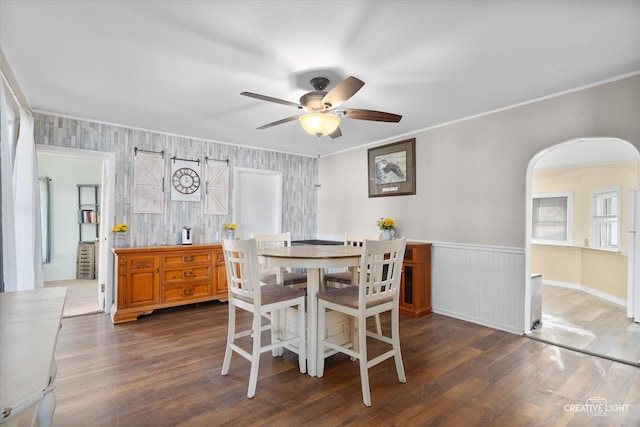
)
(186, 180)
(186, 184)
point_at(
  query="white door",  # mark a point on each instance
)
(257, 201)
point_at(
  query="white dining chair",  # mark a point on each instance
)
(344, 278)
(377, 292)
(339, 278)
(247, 293)
(269, 276)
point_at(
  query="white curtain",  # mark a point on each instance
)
(22, 250)
(8, 143)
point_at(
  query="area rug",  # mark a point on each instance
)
(82, 296)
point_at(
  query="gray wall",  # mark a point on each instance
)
(471, 196)
(471, 175)
(299, 176)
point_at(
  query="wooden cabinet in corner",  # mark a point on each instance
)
(155, 277)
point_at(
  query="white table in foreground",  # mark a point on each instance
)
(314, 258)
(29, 325)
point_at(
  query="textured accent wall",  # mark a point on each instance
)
(300, 174)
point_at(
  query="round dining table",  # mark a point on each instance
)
(314, 258)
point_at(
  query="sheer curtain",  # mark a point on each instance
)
(22, 239)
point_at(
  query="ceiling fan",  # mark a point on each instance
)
(321, 117)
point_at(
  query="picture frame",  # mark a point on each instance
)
(392, 169)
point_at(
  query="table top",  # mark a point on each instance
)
(29, 325)
(312, 252)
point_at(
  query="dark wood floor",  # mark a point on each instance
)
(164, 370)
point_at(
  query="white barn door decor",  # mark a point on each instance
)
(257, 201)
(148, 182)
(186, 181)
(217, 188)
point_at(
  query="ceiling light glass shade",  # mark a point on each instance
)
(319, 123)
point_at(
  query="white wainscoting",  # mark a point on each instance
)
(479, 284)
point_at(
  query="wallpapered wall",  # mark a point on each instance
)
(300, 174)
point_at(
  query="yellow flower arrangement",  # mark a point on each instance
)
(230, 226)
(120, 228)
(386, 223)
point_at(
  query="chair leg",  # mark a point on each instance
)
(395, 337)
(275, 319)
(302, 346)
(362, 350)
(320, 350)
(255, 354)
(230, 339)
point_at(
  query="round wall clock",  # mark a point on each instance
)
(186, 180)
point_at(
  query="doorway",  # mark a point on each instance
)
(585, 289)
(102, 285)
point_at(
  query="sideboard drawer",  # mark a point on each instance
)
(184, 274)
(182, 292)
(185, 258)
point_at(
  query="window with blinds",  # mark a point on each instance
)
(552, 219)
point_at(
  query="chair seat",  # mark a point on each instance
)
(339, 277)
(348, 297)
(289, 278)
(275, 293)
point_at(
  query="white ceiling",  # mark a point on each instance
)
(179, 66)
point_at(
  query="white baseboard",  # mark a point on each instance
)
(588, 290)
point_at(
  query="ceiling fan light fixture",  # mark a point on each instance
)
(319, 124)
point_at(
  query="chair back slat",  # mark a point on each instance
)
(273, 240)
(241, 262)
(357, 239)
(380, 270)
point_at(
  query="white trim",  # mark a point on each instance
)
(105, 262)
(588, 290)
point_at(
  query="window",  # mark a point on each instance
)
(605, 219)
(552, 219)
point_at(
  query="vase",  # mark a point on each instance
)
(230, 234)
(386, 234)
(120, 240)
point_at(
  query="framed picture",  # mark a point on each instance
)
(392, 169)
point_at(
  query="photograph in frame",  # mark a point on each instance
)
(392, 170)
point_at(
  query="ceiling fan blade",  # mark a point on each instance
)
(376, 116)
(271, 99)
(345, 90)
(279, 122)
(336, 133)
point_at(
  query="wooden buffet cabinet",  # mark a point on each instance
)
(415, 289)
(155, 277)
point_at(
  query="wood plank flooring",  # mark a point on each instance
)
(574, 318)
(164, 370)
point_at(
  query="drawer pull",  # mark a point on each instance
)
(188, 291)
(187, 258)
(188, 274)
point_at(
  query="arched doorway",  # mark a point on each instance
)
(580, 170)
